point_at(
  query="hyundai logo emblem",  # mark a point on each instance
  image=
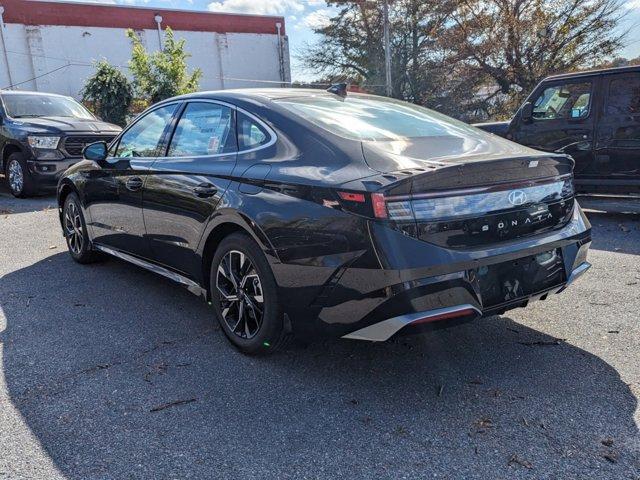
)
(517, 197)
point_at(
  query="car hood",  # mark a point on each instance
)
(439, 151)
(66, 125)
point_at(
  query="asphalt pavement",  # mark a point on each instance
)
(108, 371)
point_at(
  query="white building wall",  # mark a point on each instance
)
(59, 59)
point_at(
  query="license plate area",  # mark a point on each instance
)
(508, 281)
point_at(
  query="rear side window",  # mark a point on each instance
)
(571, 100)
(204, 129)
(624, 96)
(250, 133)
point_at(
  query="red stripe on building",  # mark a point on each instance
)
(30, 12)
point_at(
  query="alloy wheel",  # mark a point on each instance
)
(16, 177)
(73, 228)
(241, 295)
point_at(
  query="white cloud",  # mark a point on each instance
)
(316, 3)
(260, 7)
(317, 19)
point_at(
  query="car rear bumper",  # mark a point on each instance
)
(385, 329)
(431, 286)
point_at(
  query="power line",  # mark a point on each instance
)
(41, 75)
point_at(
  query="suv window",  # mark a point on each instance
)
(204, 129)
(143, 138)
(26, 105)
(250, 133)
(624, 96)
(570, 100)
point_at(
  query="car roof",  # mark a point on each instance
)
(600, 71)
(260, 94)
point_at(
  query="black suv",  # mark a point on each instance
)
(42, 135)
(593, 116)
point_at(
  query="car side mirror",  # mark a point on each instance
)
(96, 152)
(526, 112)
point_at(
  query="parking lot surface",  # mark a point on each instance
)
(109, 371)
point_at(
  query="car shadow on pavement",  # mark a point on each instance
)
(119, 373)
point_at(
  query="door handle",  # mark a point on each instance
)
(205, 190)
(134, 183)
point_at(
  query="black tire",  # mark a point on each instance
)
(270, 334)
(16, 166)
(75, 231)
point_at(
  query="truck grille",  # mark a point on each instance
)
(74, 144)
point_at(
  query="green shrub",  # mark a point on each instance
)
(163, 74)
(108, 93)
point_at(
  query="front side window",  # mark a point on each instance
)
(624, 96)
(571, 100)
(204, 129)
(20, 105)
(250, 133)
(362, 117)
(143, 138)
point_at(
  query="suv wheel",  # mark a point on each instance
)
(75, 231)
(18, 177)
(245, 297)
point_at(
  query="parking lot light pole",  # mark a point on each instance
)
(158, 19)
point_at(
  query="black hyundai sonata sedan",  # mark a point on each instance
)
(309, 213)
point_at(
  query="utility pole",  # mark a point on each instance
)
(387, 50)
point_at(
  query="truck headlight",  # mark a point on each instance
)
(47, 143)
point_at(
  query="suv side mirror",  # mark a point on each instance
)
(526, 112)
(95, 151)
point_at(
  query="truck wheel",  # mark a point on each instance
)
(18, 177)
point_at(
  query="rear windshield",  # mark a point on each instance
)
(376, 118)
(25, 106)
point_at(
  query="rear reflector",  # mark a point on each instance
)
(379, 205)
(445, 316)
(352, 197)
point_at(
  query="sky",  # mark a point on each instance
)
(301, 16)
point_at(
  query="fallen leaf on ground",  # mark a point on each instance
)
(611, 456)
(519, 461)
(482, 424)
(51, 247)
(607, 442)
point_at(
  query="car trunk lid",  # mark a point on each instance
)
(485, 196)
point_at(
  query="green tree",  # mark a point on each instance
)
(514, 44)
(466, 58)
(350, 46)
(162, 74)
(108, 93)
